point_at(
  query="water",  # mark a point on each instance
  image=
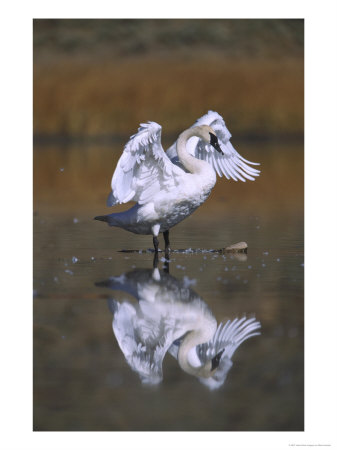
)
(82, 380)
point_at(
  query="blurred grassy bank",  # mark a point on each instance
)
(104, 77)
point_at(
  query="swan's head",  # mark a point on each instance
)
(207, 133)
(200, 368)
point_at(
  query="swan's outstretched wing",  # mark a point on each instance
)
(143, 341)
(148, 364)
(228, 337)
(144, 169)
(231, 163)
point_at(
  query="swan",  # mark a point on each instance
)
(168, 187)
(169, 317)
(166, 308)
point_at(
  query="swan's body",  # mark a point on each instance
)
(169, 317)
(168, 187)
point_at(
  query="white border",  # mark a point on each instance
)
(320, 261)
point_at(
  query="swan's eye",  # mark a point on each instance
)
(214, 139)
(215, 143)
(216, 360)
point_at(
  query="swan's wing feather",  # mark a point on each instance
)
(231, 164)
(228, 337)
(123, 328)
(143, 169)
(143, 355)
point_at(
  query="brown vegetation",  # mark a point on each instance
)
(83, 99)
(105, 77)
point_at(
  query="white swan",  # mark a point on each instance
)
(171, 317)
(168, 187)
(166, 309)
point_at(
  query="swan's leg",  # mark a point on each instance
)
(155, 243)
(167, 241)
(155, 232)
(155, 260)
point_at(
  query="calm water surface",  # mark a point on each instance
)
(82, 379)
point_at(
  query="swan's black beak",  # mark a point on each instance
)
(216, 360)
(215, 143)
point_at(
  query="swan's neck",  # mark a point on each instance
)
(192, 164)
(192, 339)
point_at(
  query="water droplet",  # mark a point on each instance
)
(74, 259)
(189, 281)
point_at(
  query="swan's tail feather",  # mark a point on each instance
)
(108, 218)
(102, 218)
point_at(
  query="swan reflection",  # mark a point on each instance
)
(170, 317)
